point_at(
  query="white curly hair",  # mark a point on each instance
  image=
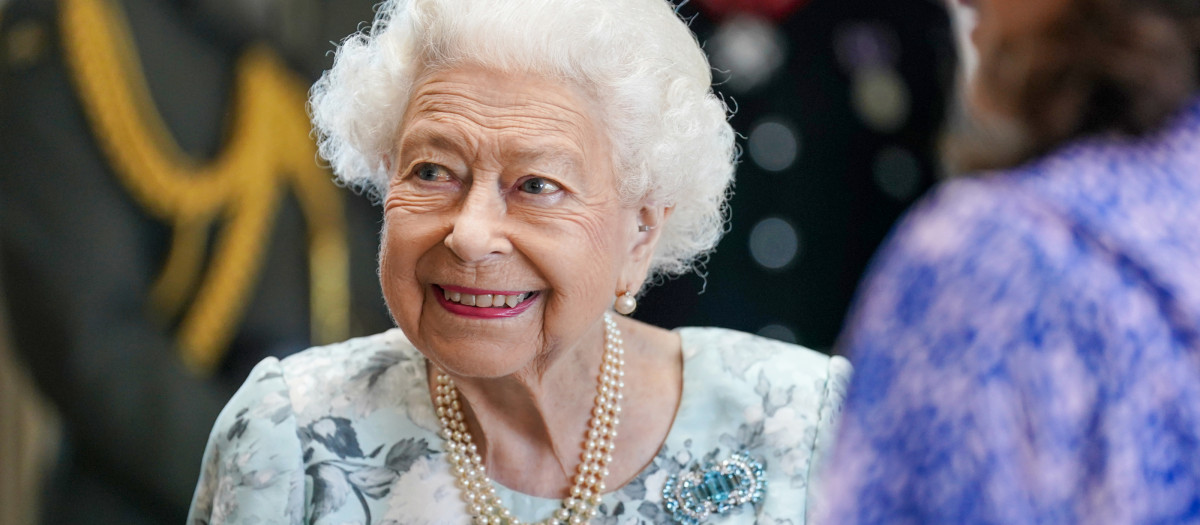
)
(671, 137)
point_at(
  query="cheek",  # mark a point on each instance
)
(407, 238)
(412, 225)
(580, 259)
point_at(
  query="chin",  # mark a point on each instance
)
(477, 366)
(479, 360)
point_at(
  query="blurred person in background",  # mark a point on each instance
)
(1027, 344)
(537, 161)
(164, 226)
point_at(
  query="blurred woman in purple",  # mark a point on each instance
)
(1027, 345)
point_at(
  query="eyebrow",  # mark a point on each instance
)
(425, 137)
(550, 153)
(546, 153)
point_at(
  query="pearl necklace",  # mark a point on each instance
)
(467, 466)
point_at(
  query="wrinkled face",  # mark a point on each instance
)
(504, 237)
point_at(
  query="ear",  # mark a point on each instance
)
(650, 219)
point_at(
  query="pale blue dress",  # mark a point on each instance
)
(347, 434)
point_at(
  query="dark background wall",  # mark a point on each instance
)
(839, 104)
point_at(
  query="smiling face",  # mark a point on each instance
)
(504, 185)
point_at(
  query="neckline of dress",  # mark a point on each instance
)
(516, 499)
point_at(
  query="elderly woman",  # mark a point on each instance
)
(1028, 345)
(537, 161)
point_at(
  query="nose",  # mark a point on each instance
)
(478, 229)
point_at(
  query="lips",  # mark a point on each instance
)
(474, 302)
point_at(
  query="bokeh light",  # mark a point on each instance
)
(881, 98)
(773, 144)
(774, 243)
(748, 50)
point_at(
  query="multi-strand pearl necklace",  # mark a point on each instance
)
(467, 466)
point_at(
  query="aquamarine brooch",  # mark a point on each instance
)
(694, 494)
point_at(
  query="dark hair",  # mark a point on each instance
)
(1104, 65)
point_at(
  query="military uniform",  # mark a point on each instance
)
(119, 303)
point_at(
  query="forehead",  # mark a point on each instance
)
(477, 107)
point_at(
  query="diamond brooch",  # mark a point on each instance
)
(694, 494)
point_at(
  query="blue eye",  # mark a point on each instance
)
(538, 186)
(430, 172)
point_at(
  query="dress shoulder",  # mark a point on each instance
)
(319, 435)
(817, 382)
(252, 471)
(347, 358)
(739, 353)
(357, 377)
(776, 400)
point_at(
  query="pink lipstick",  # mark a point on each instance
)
(483, 304)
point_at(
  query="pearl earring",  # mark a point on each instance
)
(625, 303)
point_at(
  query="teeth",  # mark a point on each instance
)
(485, 300)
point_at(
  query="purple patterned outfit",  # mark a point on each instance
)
(1027, 348)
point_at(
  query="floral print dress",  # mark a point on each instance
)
(346, 434)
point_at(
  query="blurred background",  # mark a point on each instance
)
(141, 276)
